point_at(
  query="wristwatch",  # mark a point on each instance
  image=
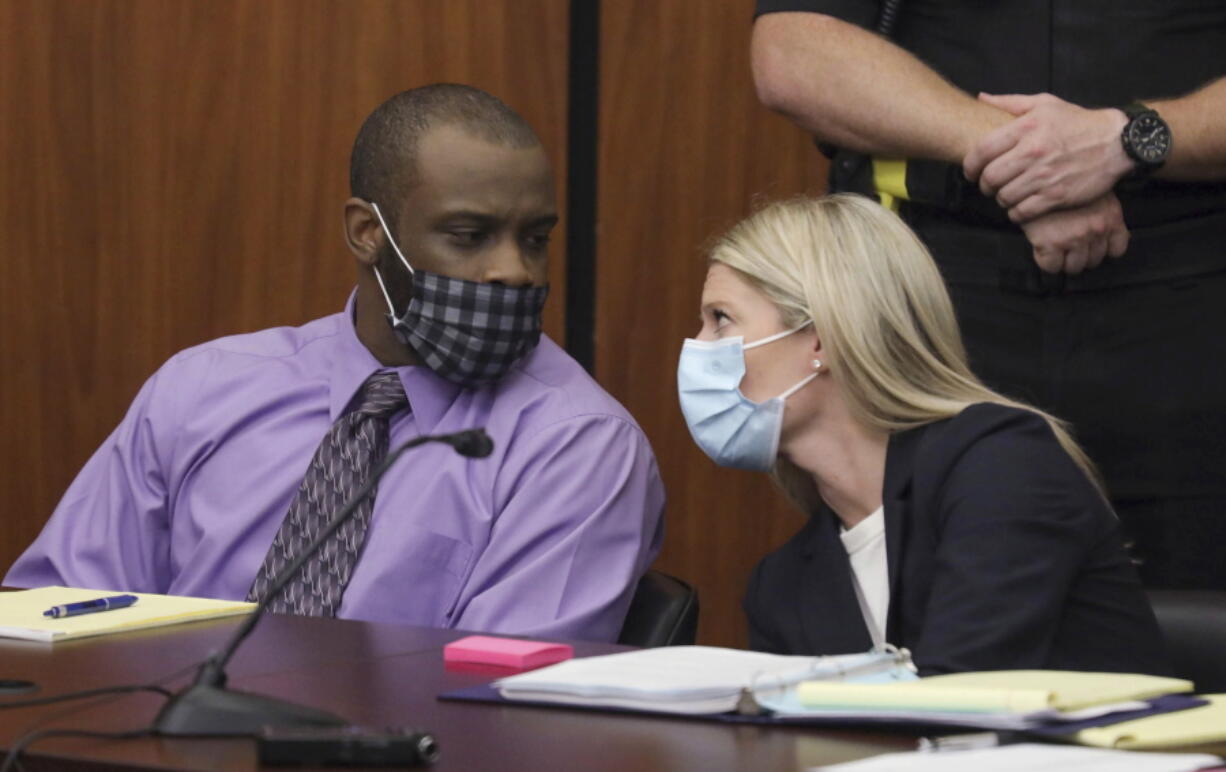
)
(1146, 138)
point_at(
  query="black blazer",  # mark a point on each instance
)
(1001, 555)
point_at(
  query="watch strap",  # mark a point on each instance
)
(1135, 110)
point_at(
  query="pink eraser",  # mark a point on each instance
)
(507, 652)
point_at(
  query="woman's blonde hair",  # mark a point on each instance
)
(879, 306)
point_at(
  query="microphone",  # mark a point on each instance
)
(207, 707)
(474, 443)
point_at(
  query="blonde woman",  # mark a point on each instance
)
(943, 517)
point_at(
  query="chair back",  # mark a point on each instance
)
(1194, 624)
(663, 612)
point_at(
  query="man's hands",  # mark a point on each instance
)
(1075, 240)
(1054, 155)
(1052, 169)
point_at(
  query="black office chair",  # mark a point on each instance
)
(1194, 624)
(664, 612)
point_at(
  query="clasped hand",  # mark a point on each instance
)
(1053, 169)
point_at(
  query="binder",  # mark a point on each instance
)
(690, 679)
(700, 682)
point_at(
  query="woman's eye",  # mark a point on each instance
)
(720, 318)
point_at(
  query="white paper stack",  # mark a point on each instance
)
(688, 679)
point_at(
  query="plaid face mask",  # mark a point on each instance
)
(466, 331)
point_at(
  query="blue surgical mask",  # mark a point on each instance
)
(733, 430)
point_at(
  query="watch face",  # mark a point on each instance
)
(1150, 139)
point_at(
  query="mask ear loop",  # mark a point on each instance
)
(396, 322)
(804, 382)
(778, 336)
(391, 310)
(387, 231)
(775, 337)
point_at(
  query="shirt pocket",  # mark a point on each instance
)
(415, 581)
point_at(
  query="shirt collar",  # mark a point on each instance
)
(429, 394)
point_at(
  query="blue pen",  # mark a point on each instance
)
(90, 606)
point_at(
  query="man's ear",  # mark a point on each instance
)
(363, 233)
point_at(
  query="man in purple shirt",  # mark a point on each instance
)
(547, 536)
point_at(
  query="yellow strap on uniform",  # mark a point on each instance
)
(890, 180)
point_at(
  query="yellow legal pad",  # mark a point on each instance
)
(21, 613)
(998, 691)
(1184, 728)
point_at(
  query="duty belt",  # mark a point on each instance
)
(986, 256)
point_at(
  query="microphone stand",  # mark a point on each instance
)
(207, 707)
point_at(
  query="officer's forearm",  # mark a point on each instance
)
(1198, 133)
(857, 90)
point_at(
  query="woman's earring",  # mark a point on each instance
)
(817, 364)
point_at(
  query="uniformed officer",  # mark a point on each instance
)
(1066, 164)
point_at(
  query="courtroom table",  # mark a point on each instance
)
(378, 675)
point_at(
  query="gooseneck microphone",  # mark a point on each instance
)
(207, 707)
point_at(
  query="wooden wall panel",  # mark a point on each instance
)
(685, 149)
(173, 170)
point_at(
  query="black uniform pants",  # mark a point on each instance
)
(1137, 367)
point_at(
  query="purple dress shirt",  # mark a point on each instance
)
(546, 537)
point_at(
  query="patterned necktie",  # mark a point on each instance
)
(353, 447)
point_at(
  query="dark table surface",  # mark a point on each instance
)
(378, 675)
